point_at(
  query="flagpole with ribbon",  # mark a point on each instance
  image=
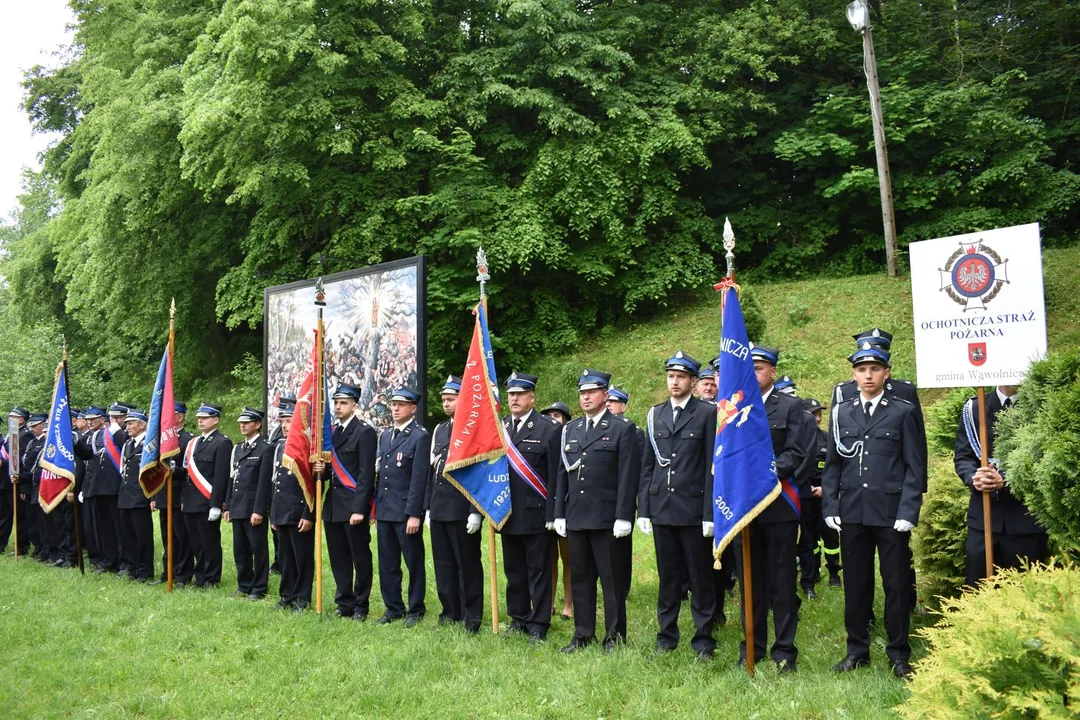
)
(493, 579)
(988, 524)
(75, 496)
(744, 536)
(169, 485)
(317, 439)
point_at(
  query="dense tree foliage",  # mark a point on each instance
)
(594, 148)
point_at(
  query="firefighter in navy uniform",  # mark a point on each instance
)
(1017, 535)
(207, 464)
(99, 487)
(29, 473)
(774, 532)
(455, 530)
(183, 564)
(526, 538)
(285, 402)
(871, 495)
(617, 400)
(347, 506)
(595, 498)
(403, 468)
(724, 578)
(136, 517)
(19, 511)
(294, 521)
(675, 505)
(820, 538)
(247, 505)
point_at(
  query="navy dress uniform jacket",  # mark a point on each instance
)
(883, 482)
(538, 441)
(603, 486)
(212, 455)
(1008, 514)
(131, 495)
(445, 502)
(894, 388)
(106, 478)
(403, 472)
(249, 490)
(179, 475)
(288, 506)
(792, 431)
(681, 493)
(355, 447)
(29, 472)
(85, 449)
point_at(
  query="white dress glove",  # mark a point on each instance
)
(472, 525)
(833, 523)
(427, 519)
(622, 528)
(81, 497)
(560, 526)
(549, 526)
(902, 526)
(644, 525)
(707, 529)
(215, 514)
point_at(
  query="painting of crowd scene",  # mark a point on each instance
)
(372, 336)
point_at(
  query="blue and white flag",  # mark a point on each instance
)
(744, 466)
(58, 456)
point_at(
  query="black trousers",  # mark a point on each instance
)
(829, 545)
(773, 574)
(89, 539)
(723, 580)
(275, 564)
(1009, 552)
(809, 560)
(597, 554)
(527, 566)
(252, 556)
(59, 526)
(297, 562)
(35, 527)
(137, 530)
(395, 543)
(183, 559)
(459, 572)
(107, 530)
(205, 539)
(858, 544)
(349, 548)
(683, 551)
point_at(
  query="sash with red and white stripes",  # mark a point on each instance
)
(525, 470)
(199, 480)
(112, 451)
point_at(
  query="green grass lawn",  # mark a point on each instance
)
(96, 646)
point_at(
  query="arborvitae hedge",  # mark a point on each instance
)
(938, 540)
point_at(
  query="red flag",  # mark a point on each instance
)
(300, 448)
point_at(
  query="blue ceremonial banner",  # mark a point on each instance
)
(476, 460)
(58, 456)
(744, 467)
(162, 434)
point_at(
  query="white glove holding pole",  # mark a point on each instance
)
(707, 529)
(622, 528)
(427, 519)
(560, 526)
(215, 514)
(833, 523)
(472, 525)
(903, 526)
(549, 526)
(644, 525)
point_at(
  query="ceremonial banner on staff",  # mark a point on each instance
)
(57, 457)
(744, 466)
(476, 462)
(300, 451)
(162, 434)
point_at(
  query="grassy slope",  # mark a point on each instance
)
(99, 647)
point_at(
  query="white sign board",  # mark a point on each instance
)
(980, 317)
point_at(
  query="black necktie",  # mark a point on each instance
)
(677, 413)
(589, 428)
(517, 426)
(1008, 403)
(393, 434)
(868, 409)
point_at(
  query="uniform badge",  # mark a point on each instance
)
(568, 447)
(529, 424)
(399, 456)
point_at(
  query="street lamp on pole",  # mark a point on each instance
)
(858, 14)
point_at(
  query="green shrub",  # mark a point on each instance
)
(1009, 650)
(1038, 445)
(753, 312)
(942, 419)
(938, 541)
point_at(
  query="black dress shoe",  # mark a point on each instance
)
(141, 579)
(473, 628)
(851, 663)
(256, 596)
(810, 594)
(343, 613)
(611, 645)
(66, 564)
(902, 670)
(283, 603)
(663, 650)
(575, 645)
(705, 656)
(411, 620)
(238, 593)
(786, 667)
(360, 616)
(300, 605)
(536, 639)
(387, 619)
(834, 581)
